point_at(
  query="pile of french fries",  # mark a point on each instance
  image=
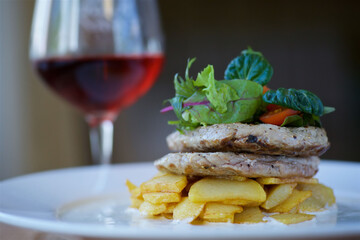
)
(233, 199)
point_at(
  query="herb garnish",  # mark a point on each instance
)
(239, 98)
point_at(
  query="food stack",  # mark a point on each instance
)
(238, 173)
(242, 154)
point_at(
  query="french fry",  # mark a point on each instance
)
(241, 202)
(133, 189)
(152, 209)
(295, 209)
(277, 194)
(187, 210)
(161, 173)
(272, 180)
(170, 207)
(218, 212)
(164, 183)
(249, 215)
(235, 178)
(135, 202)
(157, 198)
(311, 205)
(292, 218)
(130, 185)
(323, 195)
(218, 190)
(230, 199)
(167, 215)
(295, 199)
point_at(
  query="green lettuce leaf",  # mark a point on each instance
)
(181, 123)
(240, 110)
(208, 101)
(250, 65)
(217, 92)
(184, 87)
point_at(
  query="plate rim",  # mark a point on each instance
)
(82, 229)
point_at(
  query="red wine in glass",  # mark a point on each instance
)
(99, 55)
(101, 86)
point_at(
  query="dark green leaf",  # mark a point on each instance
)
(250, 65)
(311, 120)
(293, 121)
(328, 110)
(302, 120)
(301, 100)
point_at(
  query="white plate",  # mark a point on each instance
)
(54, 202)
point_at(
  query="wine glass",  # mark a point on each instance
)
(99, 55)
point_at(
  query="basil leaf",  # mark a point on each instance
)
(250, 65)
(301, 100)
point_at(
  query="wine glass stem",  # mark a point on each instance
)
(101, 142)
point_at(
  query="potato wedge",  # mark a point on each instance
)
(249, 215)
(218, 212)
(311, 205)
(164, 183)
(135, 202)
(292, 218)
(235, 178)
(157, 198)
(133, 189)
(295, 199)
(130, 185)
(167, 215)
(295, 209)
(272, 180)
(218, 190)
(170, 207)
(187, 210)
(323, 194)
(150, 209)
(277, 194)
(161, 173)
(241, 202)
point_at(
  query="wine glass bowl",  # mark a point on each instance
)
(100, 86)
(99, 55)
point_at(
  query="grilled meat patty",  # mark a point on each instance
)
(260, 139)
(235, 164)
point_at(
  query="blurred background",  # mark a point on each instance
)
(314, 45)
